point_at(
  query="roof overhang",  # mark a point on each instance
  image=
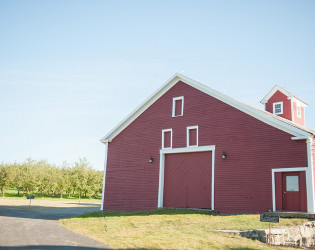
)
(295, 131)
(285, 92)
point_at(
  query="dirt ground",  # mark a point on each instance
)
(39, 203)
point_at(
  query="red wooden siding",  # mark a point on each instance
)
(242, 180)
(296, 119)
(167, 139)
(178, 107)
(192, 137)
(187, 181)
(280, 97)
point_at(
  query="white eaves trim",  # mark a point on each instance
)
(298, 102)
(214, 93)
(288, 94)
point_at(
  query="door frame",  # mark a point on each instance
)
(163, 152)
(308, 185)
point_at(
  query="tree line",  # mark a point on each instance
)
(48, 179)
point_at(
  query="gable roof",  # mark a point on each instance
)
(289, 127)
(285, 92)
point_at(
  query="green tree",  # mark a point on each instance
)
(5, 177)
(29, 180)
(17, 175)
(43, 178)
(80, 176)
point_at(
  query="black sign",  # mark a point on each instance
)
(269, 218)
(30, 197)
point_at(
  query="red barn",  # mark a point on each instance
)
(191, 146)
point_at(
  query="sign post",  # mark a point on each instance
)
(270, 219)
(30, 198)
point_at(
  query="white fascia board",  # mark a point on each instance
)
(104, 175)
(187, 149)
(297, 101)
(163, 152)
(212, 92)
(248, 110)
(296, 138)
(270, 94)
(288, 94)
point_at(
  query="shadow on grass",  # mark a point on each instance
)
(161, 211)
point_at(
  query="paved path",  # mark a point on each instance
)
(36, 227)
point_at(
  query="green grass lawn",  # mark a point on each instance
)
(170, 229)
(12, 193)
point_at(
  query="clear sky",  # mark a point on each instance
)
(71, 70)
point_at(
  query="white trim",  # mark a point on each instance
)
(277, 170)
(309, 175)
(292, 112)
(303, 104)
(187, 136)
(183, 150)
(310, 178)
(163, 132)
(104, 174)
(174, 106)
(214, 93)
(285, 92)
(300, 138)
(274, 108)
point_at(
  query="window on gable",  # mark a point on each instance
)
(278, 108)
(167, 138)
(178, 106)
(192, 136)
(298, 110)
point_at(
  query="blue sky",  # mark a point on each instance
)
(71, 70)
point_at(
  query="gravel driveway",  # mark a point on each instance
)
(36, 226)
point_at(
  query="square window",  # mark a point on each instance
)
(178, 106)
(292, 183)
(192, 136)
(167, 138)
(277, 108)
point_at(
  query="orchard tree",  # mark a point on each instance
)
(43, 169)
(5, 177)
(80, 175)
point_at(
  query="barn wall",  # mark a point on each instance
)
(242, 180)
(280, 97)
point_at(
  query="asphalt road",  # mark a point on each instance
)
(36, 227)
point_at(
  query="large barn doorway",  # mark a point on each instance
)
(187, 180)
(291, 191)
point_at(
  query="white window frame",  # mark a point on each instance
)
(189, 128)
(163, 133)
(174, 106)
(164, 152)
(298, 107)
(274, 108)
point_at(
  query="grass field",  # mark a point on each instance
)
(12, 193)
(170, 229)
